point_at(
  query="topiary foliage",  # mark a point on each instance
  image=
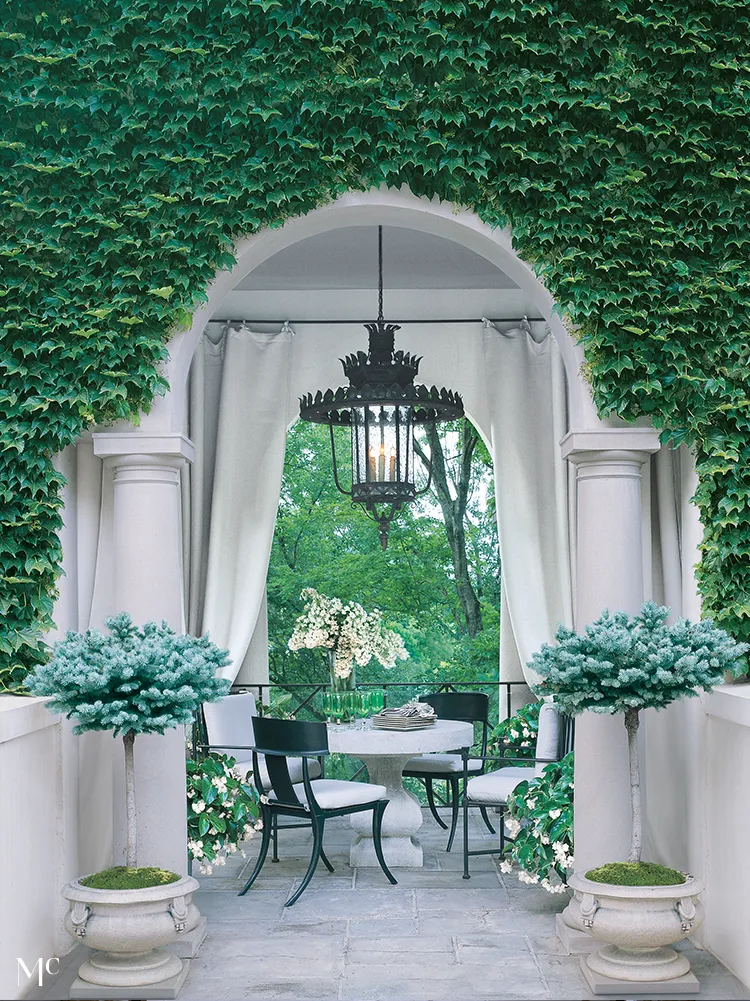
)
(142, 139)
(623, 662)
(130, 680)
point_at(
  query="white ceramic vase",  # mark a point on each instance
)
(639, 923)
(127, 927)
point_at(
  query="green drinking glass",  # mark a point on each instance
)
(328, 705)
(337, 706)
(377, 700)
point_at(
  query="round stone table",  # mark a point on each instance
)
(385, 753)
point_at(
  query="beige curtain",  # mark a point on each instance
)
(239, 403)
(526, 402)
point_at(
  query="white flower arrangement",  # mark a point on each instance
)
(353, 635)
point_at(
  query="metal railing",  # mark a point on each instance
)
(307, 698)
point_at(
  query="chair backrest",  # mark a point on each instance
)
(469, 707)
(549, 736)
(229, 723)
(279, 739)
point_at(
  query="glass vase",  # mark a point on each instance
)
(345, 689)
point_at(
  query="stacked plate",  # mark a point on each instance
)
(411, 716)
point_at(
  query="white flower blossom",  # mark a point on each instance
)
(199, 806)
(554, 814)
(512, 826)
(505, 866)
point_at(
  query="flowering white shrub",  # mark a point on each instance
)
(222, 811)
(540, 821)
(353, 635)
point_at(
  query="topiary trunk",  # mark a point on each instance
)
(131, 843)
(632, 721)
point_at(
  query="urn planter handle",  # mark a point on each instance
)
(686, 910)
(79, 916)
(589, 907)
(178, 909)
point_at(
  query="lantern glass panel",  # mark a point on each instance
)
(382, 447)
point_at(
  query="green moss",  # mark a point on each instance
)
(636, 874)
(120, 877)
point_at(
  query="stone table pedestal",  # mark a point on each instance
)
(386, 753)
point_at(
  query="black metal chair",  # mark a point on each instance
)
(555, 738)
(471, 707)
(312, 800)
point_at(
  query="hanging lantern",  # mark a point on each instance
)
(381, 406)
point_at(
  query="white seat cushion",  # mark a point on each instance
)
(332, 794)
(294, 765)
(431, 763)
(494, 788)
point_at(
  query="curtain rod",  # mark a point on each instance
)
(299, 323)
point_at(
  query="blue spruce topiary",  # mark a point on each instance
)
(623, 664)
(131, 680)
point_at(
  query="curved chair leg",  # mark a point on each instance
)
(486, 819)
(377, 824)
(275, 833)
(453, 780)
(265, 842)
(326, 863)
(431, 803)
(466, 837)
(317, 827)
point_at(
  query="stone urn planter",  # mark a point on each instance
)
(128, 927)
(639, 923)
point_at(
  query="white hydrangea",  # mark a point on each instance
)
(354, 635)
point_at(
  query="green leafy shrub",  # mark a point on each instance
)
(540, 821)
(516, 735)
(608, 138)
(222, 810)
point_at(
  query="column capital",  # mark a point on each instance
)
(166, 445)
(613, 444)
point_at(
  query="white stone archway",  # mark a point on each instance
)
(608, 457)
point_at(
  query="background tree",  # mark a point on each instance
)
(451, 485)
(321, 541)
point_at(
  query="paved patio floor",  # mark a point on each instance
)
(354, 936)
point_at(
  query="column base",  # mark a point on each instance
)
(685, 986)
(398, 853)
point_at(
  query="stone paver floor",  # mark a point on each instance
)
(353, 936)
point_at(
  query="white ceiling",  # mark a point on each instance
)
(347, 258)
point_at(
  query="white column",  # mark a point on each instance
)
(609, 573)
(148, 584)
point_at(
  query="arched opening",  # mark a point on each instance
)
(307, 301)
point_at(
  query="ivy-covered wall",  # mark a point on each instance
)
(142, 138)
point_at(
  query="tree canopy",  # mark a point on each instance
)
(130, 680)
(321, 541)
(622, 662)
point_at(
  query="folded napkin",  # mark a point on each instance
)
(410, 710)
